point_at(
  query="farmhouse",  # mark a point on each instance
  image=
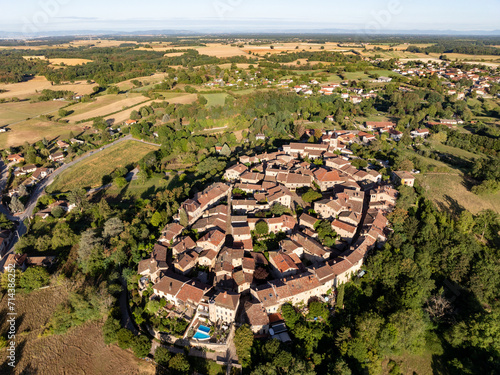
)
(15, 158)
(58, 156)
(423, 133)
(403, 178)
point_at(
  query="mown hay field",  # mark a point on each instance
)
(29, 88)
(103, 106)
(14, 112)
(35, 130)
(450, 193)
(89, 172)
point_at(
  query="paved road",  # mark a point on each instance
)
(40, 189)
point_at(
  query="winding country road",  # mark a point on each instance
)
(40, 189)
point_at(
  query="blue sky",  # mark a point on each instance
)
(248, 15)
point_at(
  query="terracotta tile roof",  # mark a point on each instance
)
(309, 244)
(308, 219)
(252, 176)
(241, 277)
(259, 258)
(170, 283)
(337, 224)
(214, 237)
(324, 175)
(324, 273)
(289, 245)
(228, 300)
(171, 231)
(341, 266)
(186, 260)
(248, 264)
(255, 314)
(239, 168)
(283, 262)
(183, 245)
(192, 291)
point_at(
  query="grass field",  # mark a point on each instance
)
(449, 193)
(14, 112)
(29, 88)
(89, 172)
(137, 188)
(215, 99)
(103, 105)
(81, 348)
(455, 151)
(34, 130)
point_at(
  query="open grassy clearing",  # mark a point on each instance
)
(89, 172)
(449, 192)
(14, 112)
(29, 88)
(215, 99)
(137, 188)
(104, 105)
(34, 130)
(455, 151)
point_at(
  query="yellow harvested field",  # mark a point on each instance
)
(183, 99)
(67, 61)
(101, 108)
(173, 54)
(70, 62)
(34, 130)
(29, 88)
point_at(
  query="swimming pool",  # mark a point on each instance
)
(203, 328)
(201, 336)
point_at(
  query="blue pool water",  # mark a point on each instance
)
(201, 336)
(204, 329)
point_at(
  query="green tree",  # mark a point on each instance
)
(179, 364)
(113, 227)
(110, 330)
(141, 345)
(57, 212)
(120, 181)
(226, 151)
(261, 228)
(183, 218)
(162, 356)
(125, 338)
(5, 223)
(243, 340)
(311, 196)
(34, 278)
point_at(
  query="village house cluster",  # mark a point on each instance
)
(211, 276)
